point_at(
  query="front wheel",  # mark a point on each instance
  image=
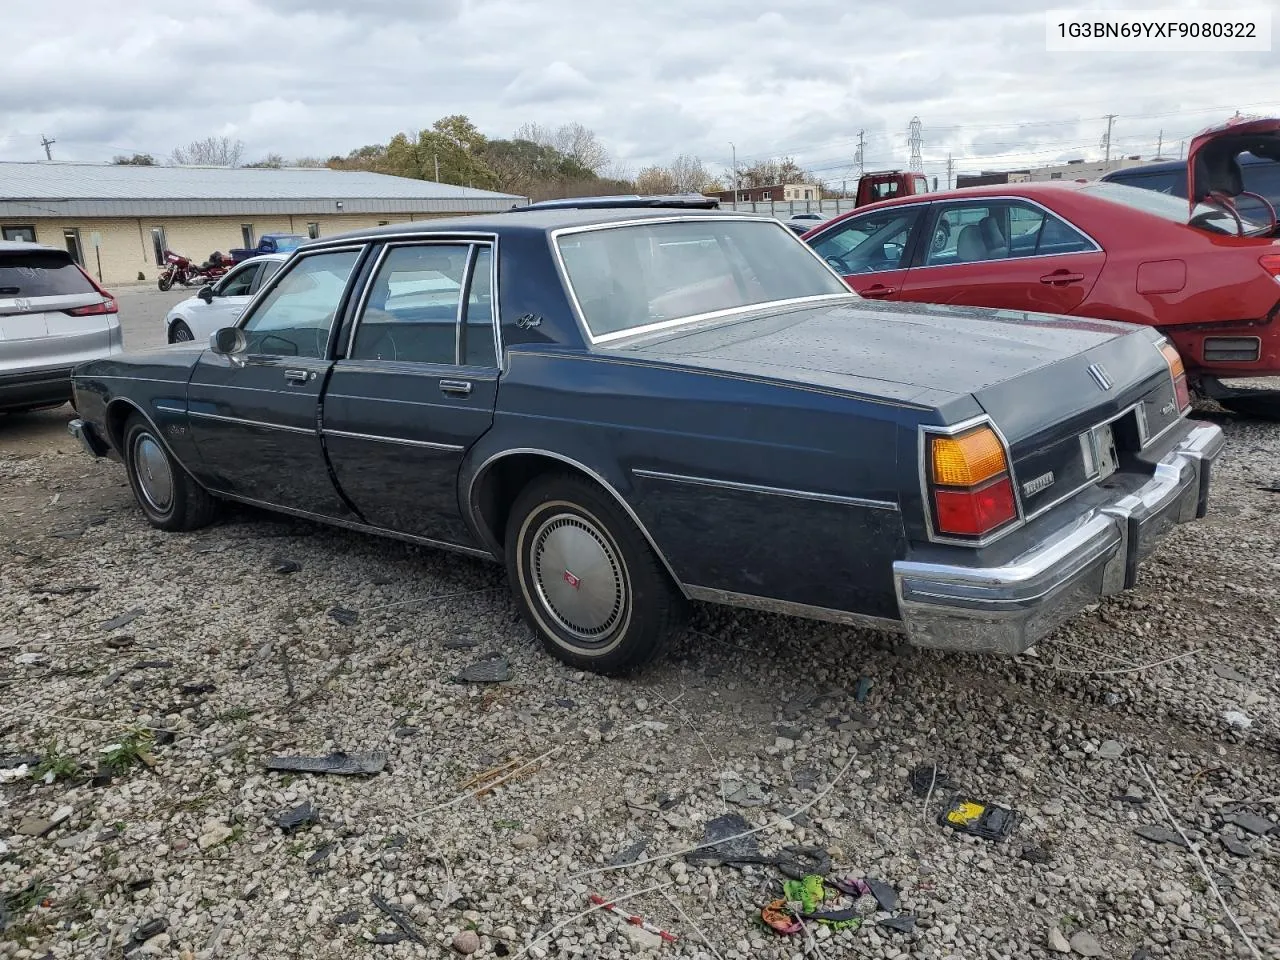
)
(169, 497)
(585, 578)
(165, 280)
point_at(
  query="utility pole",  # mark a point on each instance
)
(950, 168)
(859, 156)
(1106, 141)
(47, 143)
(1160, 146)
(437, 159)
(735, 171)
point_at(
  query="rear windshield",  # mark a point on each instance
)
(645, 274)
(1168, 207)
(39, 273)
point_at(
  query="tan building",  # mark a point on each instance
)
(118, 220)
(773, 193)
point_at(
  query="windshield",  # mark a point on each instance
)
(1205, 215)
(645, 274)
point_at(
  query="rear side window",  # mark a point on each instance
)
(39, 273)
(1172, 182)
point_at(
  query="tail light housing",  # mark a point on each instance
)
(107, 305)
(1271, 263)
(1179, 374)
(970, 485)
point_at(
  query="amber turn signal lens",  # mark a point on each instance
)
(1173, 359)
(968, 459)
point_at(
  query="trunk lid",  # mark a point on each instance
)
(1212, 165)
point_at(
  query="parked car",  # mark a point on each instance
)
(1098, 250)
(217, 305)
(635, 408)
(53, 316)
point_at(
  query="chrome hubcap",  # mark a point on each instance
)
(578, 577)
(151, 466)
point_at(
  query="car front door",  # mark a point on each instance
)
(416, 387)
(1006, 253)
(254, 417)
(872, 250)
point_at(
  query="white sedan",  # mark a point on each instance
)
(220, 305)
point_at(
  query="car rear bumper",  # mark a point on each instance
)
(35, 387)
(93, 444)
(1007, 609)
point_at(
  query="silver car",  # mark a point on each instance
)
(53, 316)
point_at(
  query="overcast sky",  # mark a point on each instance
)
(654, 78)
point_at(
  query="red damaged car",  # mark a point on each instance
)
(1204, 273)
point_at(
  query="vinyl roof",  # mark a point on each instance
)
(51, 189)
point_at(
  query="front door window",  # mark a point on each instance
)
(870, 243)
(295, 318)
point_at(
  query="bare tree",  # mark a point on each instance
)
(210, 152)
(573, 140)
(655, 180)
(688, 175)
(309, 162)
(271, 160)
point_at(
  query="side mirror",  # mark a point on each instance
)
(205, 293)
(228, 342)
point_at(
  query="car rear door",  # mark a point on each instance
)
(254, 417)
(416, 387)
(1009, 253)
(52, 316)
(872, 250)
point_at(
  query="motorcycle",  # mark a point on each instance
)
(183, 270)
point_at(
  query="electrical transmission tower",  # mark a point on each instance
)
(916, 140)
(859, 156)
(950, 169)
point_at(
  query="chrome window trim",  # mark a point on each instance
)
(951, 202)
(464, 291)
(287, 268)
(472, 245)
(424, 444)
(285, 428)
(791, 608)
(357, 525)
(474, 520)
(406, 236)
(767, 490)
(553, 238)
(924, 431)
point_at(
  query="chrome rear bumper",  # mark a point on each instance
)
(1009, 608)
(93, 444)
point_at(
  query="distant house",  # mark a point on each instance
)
(1071, 170)
(117, 220)
(774, 193)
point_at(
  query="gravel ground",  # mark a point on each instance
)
(227, 661)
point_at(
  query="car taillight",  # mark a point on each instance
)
(1179, 374)
(108, 304)
(1271, 263)
(970, 483)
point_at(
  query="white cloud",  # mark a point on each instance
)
(653, 78)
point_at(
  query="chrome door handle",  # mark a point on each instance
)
(298, 376)
(459, 388)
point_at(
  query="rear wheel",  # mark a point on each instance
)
(585, 578)
(169, 497)
(180, 332)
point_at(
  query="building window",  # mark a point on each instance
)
(313, 230)
(246, 234)
(383, 223)
(808, 194)
(1056, 175)
(26, 233)
(766, 195)
(71, 237)
(158, 242)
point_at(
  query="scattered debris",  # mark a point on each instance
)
(320, 856)
(398, 919)
(885, 895)
(295, 817)
(196, 689)
(1110, 750)
(722, 846)
(338, 762)
(386, 939)
(14, 774)
(348, 618)
(903, 924)
(1036, 854)
(1235, 846)
(284, 565)
(631, 854)
(29, 659)
(1227, 672)
(460, 643)
(863, 688)
(348, 918)
(633, 919)
(1254, 824)
(115, 623)
(152, 928)
(14, 761)
(1238, 720)
(743, 794)
(989, 821)
(1158, 834)
(67, 590)
(492, 668)
(927, 776)
(486, 780)
(120, 641)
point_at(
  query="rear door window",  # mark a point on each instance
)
(41, 273)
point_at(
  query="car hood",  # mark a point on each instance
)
(1212, 165)
(908, 348)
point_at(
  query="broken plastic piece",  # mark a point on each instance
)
(885, 895)
(492, 669)
(297, 816)
(989, 821)
(1159, 834)
(398, 919)
(337, 762)
(115, 623)
(344, 616)
(926, 775)
(284, 565)
(862, 689)
(903, 924)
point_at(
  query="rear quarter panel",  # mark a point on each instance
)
(689, 452)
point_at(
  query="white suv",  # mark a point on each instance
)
(53, 316)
